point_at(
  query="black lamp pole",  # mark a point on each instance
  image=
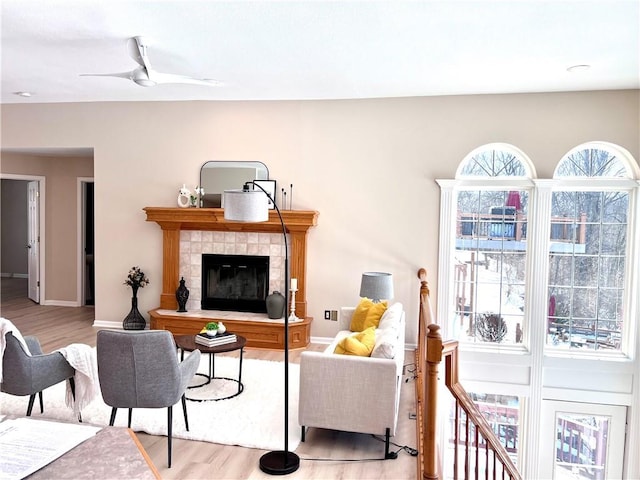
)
(281, 462)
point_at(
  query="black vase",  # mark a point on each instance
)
(134, 320)
(182, 295)
(275, 305)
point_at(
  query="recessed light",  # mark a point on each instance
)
(578, 68)
(23, 94)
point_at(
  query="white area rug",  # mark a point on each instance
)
(253, 419)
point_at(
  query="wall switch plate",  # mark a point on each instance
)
(334, 315)
(327, 315)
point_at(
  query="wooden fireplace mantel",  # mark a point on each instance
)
(173, 220)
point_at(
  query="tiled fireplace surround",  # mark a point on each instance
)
(187, 233)
(193, 244)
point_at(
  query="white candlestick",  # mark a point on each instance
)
(294, 284)
(294, 289)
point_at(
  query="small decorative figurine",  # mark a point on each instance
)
(182, 295)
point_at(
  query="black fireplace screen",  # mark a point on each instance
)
(235, 282)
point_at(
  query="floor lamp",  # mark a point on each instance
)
(253, 206)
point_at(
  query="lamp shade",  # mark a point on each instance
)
(377, 286)
(246, 206)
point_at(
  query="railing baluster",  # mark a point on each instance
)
(456, 427)
(466, 445)
(477, 442)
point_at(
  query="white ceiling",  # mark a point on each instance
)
(267, 50)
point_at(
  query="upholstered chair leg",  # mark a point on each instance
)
(169, 433)
(130, 414)
(32, 398)
(302, 437)
(41, 402)
(113, 416)
(72, 385)
(184, 410)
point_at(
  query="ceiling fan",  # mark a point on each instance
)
(144, 75)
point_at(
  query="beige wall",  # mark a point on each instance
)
(61, 216)
(368, 167)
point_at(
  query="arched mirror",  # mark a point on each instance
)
(218, 175)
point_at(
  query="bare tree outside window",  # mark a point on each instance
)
(586, 280)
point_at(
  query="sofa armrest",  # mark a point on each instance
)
(349, 393)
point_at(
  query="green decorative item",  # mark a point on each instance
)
(134, 320)
(212, 329)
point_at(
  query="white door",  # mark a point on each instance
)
(33, 240)
(581, 441)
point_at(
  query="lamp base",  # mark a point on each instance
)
(279, 462)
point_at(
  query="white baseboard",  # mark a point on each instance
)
(60, 303)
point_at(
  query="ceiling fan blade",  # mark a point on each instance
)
(172, 78)
(127, 75)
(137, 47)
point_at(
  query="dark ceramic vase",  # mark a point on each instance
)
(275, 305)
(134, 320)
(182, 295)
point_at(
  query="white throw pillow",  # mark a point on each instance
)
(386, 341)
(391, 317)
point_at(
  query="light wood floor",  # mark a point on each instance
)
(326, 454)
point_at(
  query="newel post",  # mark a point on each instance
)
(434, 358)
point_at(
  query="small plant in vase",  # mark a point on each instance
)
(211, 329)
(135, 279)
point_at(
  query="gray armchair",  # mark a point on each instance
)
(30, 375)
(140, 369)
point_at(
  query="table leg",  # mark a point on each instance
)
(240, 371)
(212, 366)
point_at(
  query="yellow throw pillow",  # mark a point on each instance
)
(360, 344)
(360, 315)
(374, 314)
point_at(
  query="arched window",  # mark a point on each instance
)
(588, 248)
(492, 203)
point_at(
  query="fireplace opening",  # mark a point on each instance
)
(237, 283)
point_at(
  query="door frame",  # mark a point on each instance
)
(41, 224)
(81, 267)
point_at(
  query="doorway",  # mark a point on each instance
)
(86, 256)
(22, 253)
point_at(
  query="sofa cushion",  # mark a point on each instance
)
(367, 314)
(388, 332)
(360, 344)
(391, 317)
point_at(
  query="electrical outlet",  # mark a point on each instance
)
(334, 315)
(327, 315)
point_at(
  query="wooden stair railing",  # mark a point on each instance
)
(478, 435)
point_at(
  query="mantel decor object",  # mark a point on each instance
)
(275, 305)
(184, 197)
(134, 320)
(294, 289)
(248, 205)
(182, 295)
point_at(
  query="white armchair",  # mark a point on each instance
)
(352, 393)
